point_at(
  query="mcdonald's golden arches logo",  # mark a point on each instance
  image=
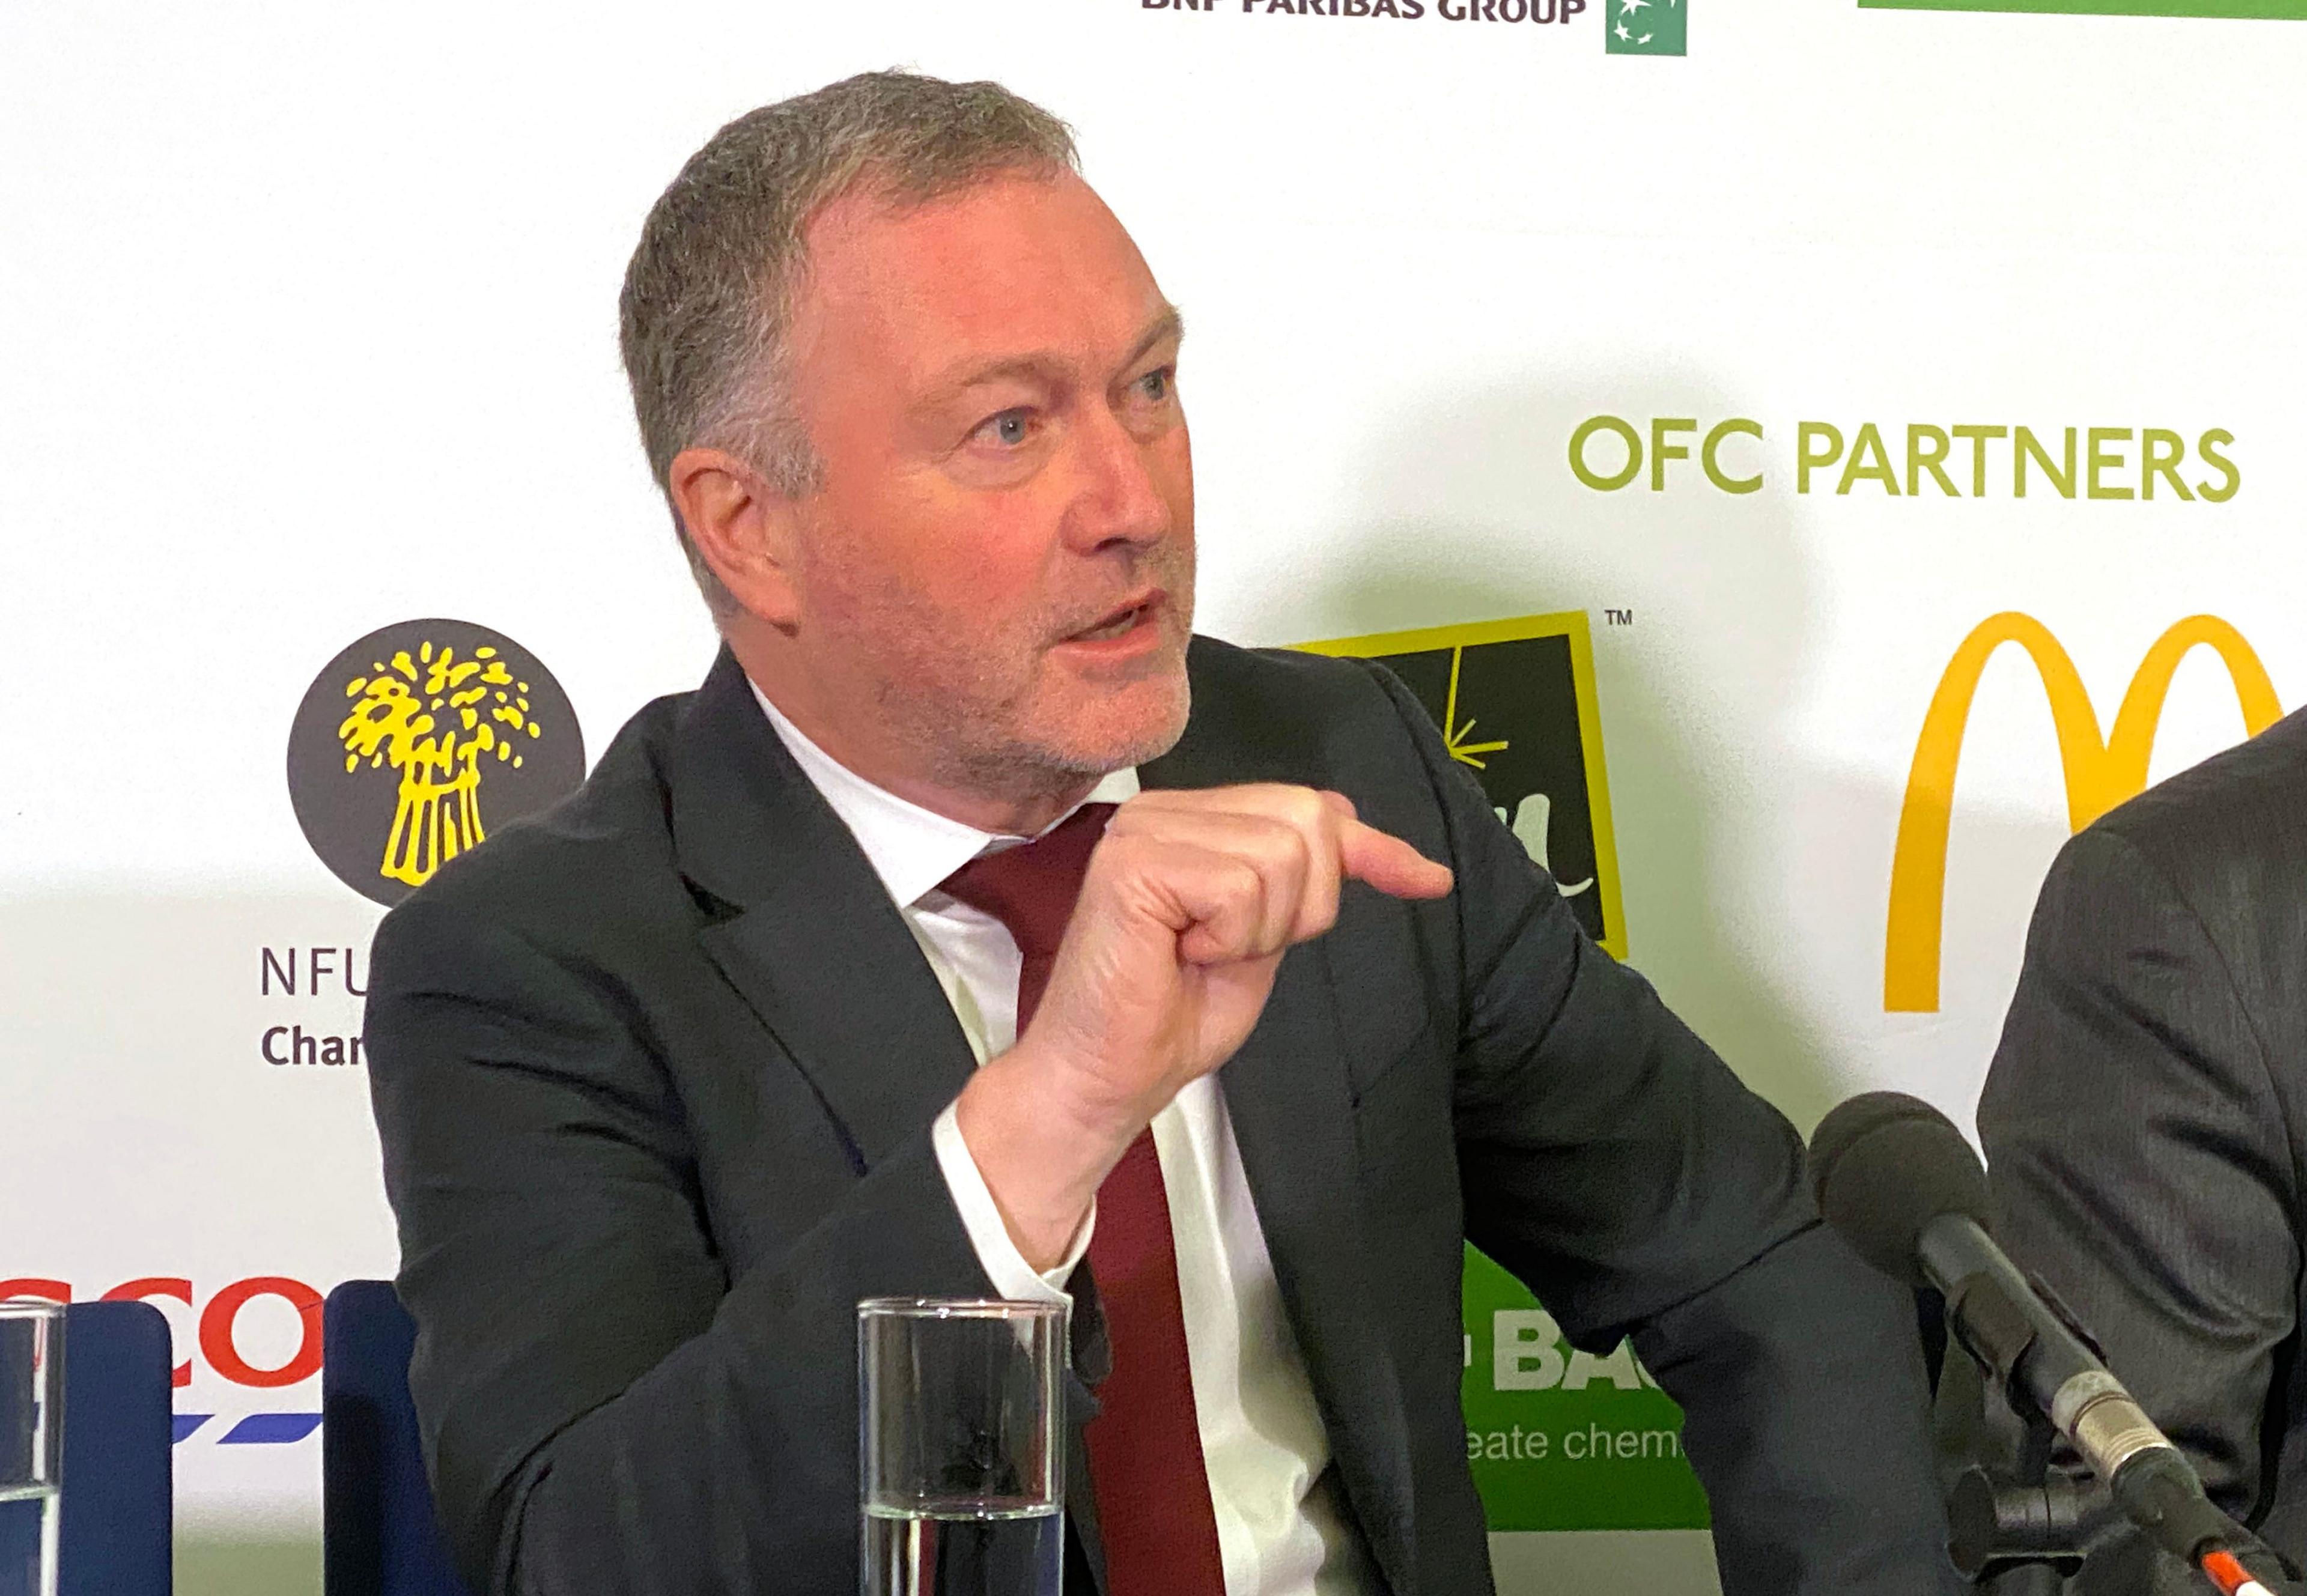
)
(2101, 771)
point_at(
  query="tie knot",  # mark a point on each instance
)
(1031, 888)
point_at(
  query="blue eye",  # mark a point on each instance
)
(1011, 427)
(1156, 384)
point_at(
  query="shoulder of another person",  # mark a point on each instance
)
(2228, 837)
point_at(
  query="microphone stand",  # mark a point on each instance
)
(2023, 1530)
(1902, 1186)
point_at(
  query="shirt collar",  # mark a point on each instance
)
(911, 848)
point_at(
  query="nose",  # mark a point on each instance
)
(1119, 498)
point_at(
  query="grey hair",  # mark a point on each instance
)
(708, 294)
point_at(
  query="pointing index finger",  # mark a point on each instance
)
(1390, 864)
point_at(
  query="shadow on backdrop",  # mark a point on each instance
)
(1722, 612)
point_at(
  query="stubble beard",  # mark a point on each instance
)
(983, 737)
(976, 719)
(984, 728)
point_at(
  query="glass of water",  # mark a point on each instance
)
(31, 1444)
(960, 1446)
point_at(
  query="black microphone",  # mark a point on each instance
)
(1898, 1182)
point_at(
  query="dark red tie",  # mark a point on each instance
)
(1145, 1444)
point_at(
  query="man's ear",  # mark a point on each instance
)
(742, 526)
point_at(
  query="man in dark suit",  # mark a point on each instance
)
(2144, 1124)
(839, 979)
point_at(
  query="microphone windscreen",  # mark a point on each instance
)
(1883, 1166)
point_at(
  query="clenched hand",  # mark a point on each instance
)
(1188, 904)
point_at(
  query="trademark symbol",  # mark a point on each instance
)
(1618, 617)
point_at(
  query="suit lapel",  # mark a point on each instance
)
(807, 933)
(1291, 1107)
(809, 938)
(1286, 1091)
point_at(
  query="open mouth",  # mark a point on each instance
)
(1121, 622)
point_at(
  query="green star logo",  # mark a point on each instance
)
(1646, 27)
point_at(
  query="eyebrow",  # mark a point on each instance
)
(1168, 324)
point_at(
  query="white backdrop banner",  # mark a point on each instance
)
(1768, 435)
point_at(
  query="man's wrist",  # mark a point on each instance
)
(1013, 1275)
(1064, 1105)
(1041, 1154)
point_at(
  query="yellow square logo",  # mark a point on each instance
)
(1516, 702)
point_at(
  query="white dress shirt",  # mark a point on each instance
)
(1272, 1489)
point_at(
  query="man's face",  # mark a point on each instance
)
(998, 573)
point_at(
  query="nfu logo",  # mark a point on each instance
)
(412, 743)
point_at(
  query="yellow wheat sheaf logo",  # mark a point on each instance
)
(437, 720)
(419, 740)
(2101, 771)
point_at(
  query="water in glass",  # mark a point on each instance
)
(28, 1515)
(31, 1446)
(967, 1551)
(960, 1452)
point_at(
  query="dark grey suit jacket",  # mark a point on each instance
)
(655, 1072)
(2144, 1122)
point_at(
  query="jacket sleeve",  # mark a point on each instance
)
(604, 1409)
(1614, 1163)
(2141, 1165)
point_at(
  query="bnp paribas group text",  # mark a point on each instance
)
(1446, 10)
